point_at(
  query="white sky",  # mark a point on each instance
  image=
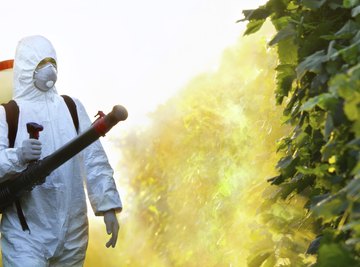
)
(136, 53)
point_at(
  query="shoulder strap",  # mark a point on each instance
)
(73, 111)
(12, 118)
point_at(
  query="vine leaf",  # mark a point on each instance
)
(313, 4)
(253, 26)
(285, 33)
(331, 255)
(312, 63)
(355, 11)
(350, 3)
(255, 14)
(326, 101)
(331, 207)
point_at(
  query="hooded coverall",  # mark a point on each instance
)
(56, 210)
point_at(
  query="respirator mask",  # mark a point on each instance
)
(45, 77)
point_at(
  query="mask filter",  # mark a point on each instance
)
(45, 77)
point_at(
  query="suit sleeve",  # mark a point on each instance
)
(100, 183)
(9, 160)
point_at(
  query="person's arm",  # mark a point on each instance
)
(102, 192)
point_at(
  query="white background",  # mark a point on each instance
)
(136, 53)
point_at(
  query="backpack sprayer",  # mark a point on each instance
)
(36, 172)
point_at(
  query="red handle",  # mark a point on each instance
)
(33, 129)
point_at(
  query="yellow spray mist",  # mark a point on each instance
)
(196, 177)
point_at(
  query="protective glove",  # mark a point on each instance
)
(112, 227)
(29, 151)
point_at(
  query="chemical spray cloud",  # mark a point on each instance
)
(196, 176)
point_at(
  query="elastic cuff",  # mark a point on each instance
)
(19, 156)
(101, 212)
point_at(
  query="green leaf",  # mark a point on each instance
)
(338, 83)
(312, 63)
(350, 3)
(314, 246)
(349, 90)
(287, 166)
(285, 33)
(353, 190)
(285, 162)
(302, 139)
(350, 53)
(296, 185)
(355, 11)
(287, 51)
(331, 51)
(281, 22)
(328, 101)
(332, 66)
(310, 104)
(331, 207)
(348, 30)
(356, 128)
(352, 225)
(325, 101)
(256, 14)
(329, 126)
(318, 171)
(317, 199)
(335, 255)
(285, 75)
(352, 108)
(277, 6)
(313, 4)
(328, 151)
(335, 5)
(319, 81)
(354, 72)
(276, 180)
(253, 26)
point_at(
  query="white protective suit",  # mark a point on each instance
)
(56, 210)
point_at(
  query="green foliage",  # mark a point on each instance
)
(320, 80)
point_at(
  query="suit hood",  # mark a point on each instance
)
(29, 53)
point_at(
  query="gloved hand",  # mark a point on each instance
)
(29, 151)
(112, 227)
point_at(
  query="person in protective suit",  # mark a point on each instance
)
(55, 211)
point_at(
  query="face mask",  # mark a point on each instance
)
(45, 77)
